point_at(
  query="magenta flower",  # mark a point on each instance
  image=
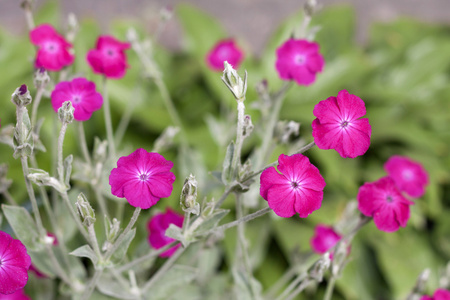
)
(142, 178)
(324, 239)
(439, 294)
(108, 58)
(14, 264)
(408, 175)
(53, 50)
(298, 189)
(81, 92)
(299, 60)
(337, 125)
(157, 227)
(17, 295)
(225, 50)
(385, 203)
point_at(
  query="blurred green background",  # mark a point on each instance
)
(402, 73)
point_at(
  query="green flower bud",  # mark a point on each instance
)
(188, 198)
(41, 78)
(85, 210)
(21, 96)
(234, 82)
(65, 112)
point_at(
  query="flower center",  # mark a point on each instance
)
(143, 177)
(76, 99)
(110, 52)
(51, 47)
(299, 59)
(344, 124)
(295, 185)
(389, 199)
(407, 175)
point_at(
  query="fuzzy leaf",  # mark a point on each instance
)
(23, 226)
(85, 251)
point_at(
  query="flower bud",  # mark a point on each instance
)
(166, 13)
(247, 128)
(112, 232)
(21, 96)
(234, 82)
(85, 210)
(65, 112)
(284, 130)
(41, 78)
(310, 7)
(188, 198)
(100, 150)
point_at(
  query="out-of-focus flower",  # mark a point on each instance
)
(299, 60)
(225, 50)
(14, 264)
(108, 57)
(324, 239)
(408, 175)
(439, 294)
(81, 92)
(17, 295)
(338, 126)
(385, 203)
(298, 189)
(157, 227)
(143, 178)
(53, 50)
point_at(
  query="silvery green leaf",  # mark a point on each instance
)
(212, 220)
(108, 285)
(227, 172)
(177, 277)
(85, 251)
(68, 168)
(245, 287)
(175, 232)
(42, 262)
(6, 135)
(123, 247)
(23, 226)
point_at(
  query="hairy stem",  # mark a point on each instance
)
(108, 122)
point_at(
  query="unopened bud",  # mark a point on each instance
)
(100, 150)
(112, 232)
(284, 130)
(65, 112)
(247, 128)
(85, 210)
(188, 198)
(21, 96)
(41, 78)
(234, 82)
(310, 7)
(132, 35)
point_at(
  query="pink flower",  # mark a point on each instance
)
(299, 60)
(108, 58)
(17, 295)
(337, 125)
(298, 189)
(408, 175)
(157, 229)
(225, 50)
(81, 92)
(14, 264)
(439, 294)
(384, 202)
(324, 239)
(142, 178)
(53, 50)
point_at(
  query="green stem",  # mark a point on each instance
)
(108, 122)
(83, 143)
(330, 288)
(300, 288)
(92, 284)
(94, 242)
(270, 294)
(9, 198)
(101, 200)
(291, 286)
(28, 14)
(36, 102)
(236, 161)
(60, 166)
(222, 198)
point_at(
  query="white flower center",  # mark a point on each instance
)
(299, 59)
(76, 99)
(407, 174)
(344, 124)
(143, 177)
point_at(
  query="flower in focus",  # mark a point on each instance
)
(298, 189)
(14, 264)
(17, 295)
(108, 57)
(225, 50)
(299, 60)
(324, 239)
(439, 294)
(337, 125)
(81, 92)
(142, 178)
(385, 203)
(157, 230)
(408, 175)
(53, 50)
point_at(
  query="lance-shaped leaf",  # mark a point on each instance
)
(23, 226)
(85, 251)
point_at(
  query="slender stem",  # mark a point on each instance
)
(247, 218)
(300, 288)
(302, 32)
(291, 286)
(236, 161)
(270, 294)
(167, 265)
(223, 197)
(36, 101)
(126, 117)
(100, 199)
(83, 144)
(108, 122)
(60, 166)
(28, 14)
(75, 216)
(88, 292)
(9, 198)
(93, 239)
(146, 257)
(330, 288)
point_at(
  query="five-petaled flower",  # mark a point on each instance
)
(298, 189)
(53, 50)
(408, 175)
(324, 239)
(299, 60)
(439, 294)
(385, 203)
(14, 264)
(338, 126)
(225, 50)
(143, 178)
(81, 92)
(157, 227)
(108, 57)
